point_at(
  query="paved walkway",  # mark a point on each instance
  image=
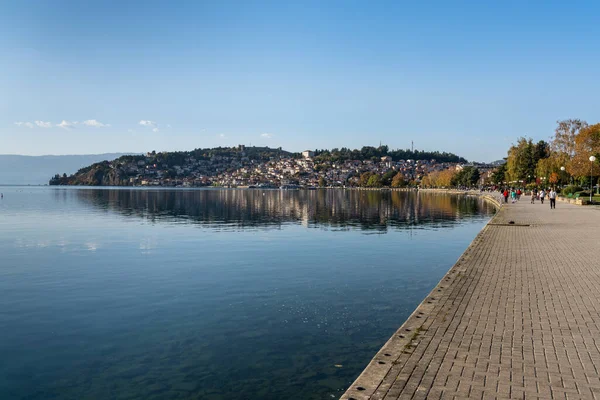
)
(517, 317)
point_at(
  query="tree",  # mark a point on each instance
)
(439, 178)
(468, 176)
(499, 174)
(364, 179)
(587, 143)
(374, 181)
(386, 179)
(541, 150)
(520, 163)
(564, 136)
(445, 177)
(398, 180)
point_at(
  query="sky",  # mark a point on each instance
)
(468, 77)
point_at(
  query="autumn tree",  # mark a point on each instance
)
(564, 136)
(398, 180)
(364, 179)
(547, 166)
(445, 177)
(587, 143)
(438, 178)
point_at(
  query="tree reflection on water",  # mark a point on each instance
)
(326, 208)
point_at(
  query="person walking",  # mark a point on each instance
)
(533, 196)
(552, 197)
(505, 194)
(542, 195)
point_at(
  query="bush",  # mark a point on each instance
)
(571, 189)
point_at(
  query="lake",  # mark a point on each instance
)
(213, 293)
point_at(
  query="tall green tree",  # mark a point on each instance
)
(374, 181)
(468, 176)
(521, 164)
(499, 175)
(386, 179)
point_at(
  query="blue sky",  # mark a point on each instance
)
(465, 77)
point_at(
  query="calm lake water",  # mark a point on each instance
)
(213, 294)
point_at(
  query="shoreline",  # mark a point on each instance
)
(402, 340)
(512, 318)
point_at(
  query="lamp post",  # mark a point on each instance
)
(562, 175)
(592, 159)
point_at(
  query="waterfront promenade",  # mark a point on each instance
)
(518, 316)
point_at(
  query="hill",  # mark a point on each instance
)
(201, 162)
(34, 170)
(241, 165)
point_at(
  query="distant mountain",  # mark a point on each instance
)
(37, 170)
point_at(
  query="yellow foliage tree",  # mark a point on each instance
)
(398, 180)
(438, 178)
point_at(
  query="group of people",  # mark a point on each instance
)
(515, 195)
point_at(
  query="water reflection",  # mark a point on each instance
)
(116, 293)
(239, 209)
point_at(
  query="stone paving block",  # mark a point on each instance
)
(517, 317)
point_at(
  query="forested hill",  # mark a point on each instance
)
(373, 153)
(207, 162)
(202, 164)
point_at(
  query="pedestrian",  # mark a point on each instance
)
(533, 196)
(505, 194)
(552, 197)
(542, 195)
(519, 193)
(513, 195)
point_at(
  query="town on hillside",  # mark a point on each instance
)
(243, 166)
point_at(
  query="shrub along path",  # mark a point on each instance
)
(518, 316)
